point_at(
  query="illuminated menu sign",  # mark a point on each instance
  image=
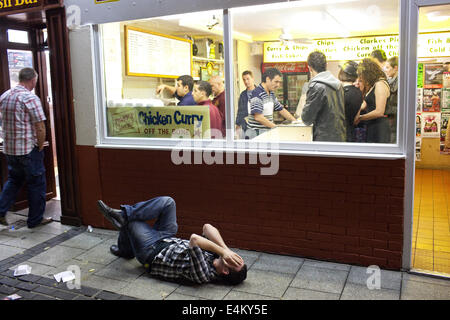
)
(13, 5)
(429, 45)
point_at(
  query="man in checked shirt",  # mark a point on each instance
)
(23, 126)
(198, 260)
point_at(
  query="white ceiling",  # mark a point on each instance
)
(307, 19)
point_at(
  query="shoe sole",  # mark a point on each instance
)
(103, 210)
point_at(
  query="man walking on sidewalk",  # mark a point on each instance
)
(201, 259)
(23, 126)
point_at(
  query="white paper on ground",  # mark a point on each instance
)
(64, 276)
(22, 270)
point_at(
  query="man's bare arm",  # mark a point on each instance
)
(40, 134)
(213, 234)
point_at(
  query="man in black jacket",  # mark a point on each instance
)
(324, 107)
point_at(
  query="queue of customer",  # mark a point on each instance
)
(359, 106)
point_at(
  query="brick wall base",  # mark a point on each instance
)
(342, 210)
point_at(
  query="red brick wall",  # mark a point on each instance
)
(342, 210)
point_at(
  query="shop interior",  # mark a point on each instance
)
(307, 25)
(431, 220)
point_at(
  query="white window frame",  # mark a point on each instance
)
(329, 149)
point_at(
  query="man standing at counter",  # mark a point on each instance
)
(244, 102)
(182, 91)
(218, 89)
(325, 107)
(201, 93)
(263, 103)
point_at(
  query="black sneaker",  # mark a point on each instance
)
(3, 221)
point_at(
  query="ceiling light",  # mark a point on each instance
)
(437, 16)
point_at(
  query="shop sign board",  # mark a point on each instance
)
(288, 67)
(159, 122)
(18, 5)
(357, 48)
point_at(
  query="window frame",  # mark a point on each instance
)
(329, 149)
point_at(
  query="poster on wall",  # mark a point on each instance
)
(420, 75)
(418, 125)
(446, 77)
(419, 100)
(446, 100)
(432, 100)
(433, 74)
(431, 123)
(445, 116)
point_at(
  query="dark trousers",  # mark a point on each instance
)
(138, 239)
(28, 168)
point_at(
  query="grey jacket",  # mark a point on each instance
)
(325, 108)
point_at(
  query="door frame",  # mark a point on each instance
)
(410, 80)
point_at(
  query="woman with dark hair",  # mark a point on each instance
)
(352, 97)
(378, 129)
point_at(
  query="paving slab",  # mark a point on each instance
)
(179, 296)
(305, 294)
(8, 251)
(320, 279)
(5, 238)
(360, 292)
(388, 279)
(29, 240)
(208, 291)
(418, 290)
(122, 269)
(84, 241)
(239, 295)
(104, 283)
(426, 279)
(55, 228)
(100, 254)
(87, 268)
(57, 255)
(277, 263)
(326, 265)
(148, 288)
(265, 283)
(38, 269)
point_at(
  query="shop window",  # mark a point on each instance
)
(162, 74)
(309, 104)
(18, 59)
(18, 36)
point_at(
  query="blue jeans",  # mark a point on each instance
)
(137, 238)
(28, 168)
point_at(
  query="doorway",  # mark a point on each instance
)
(26, 46)
(431, 219)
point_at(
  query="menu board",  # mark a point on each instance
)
(149, 54)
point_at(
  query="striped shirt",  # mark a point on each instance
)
(180, 262)
(261, 102)
(20, 110)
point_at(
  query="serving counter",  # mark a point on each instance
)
(287, 132)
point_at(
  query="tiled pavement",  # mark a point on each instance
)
(52, 248)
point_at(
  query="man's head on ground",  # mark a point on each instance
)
(202, 91)
(184, 85)
(228, 274)
(28, 78)
(272, 79)
(317, 62)
(217, 85)
(249, 81)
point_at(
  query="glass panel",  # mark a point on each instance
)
(162, 76)
(277, 39)
(18, 36)
(18, 59)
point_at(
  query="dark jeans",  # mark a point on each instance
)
(138, 239)
(28, 168)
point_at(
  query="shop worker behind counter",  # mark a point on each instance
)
(23, 124)
(324, 107)
(182, 90)
(263, 103)
(197, 260)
